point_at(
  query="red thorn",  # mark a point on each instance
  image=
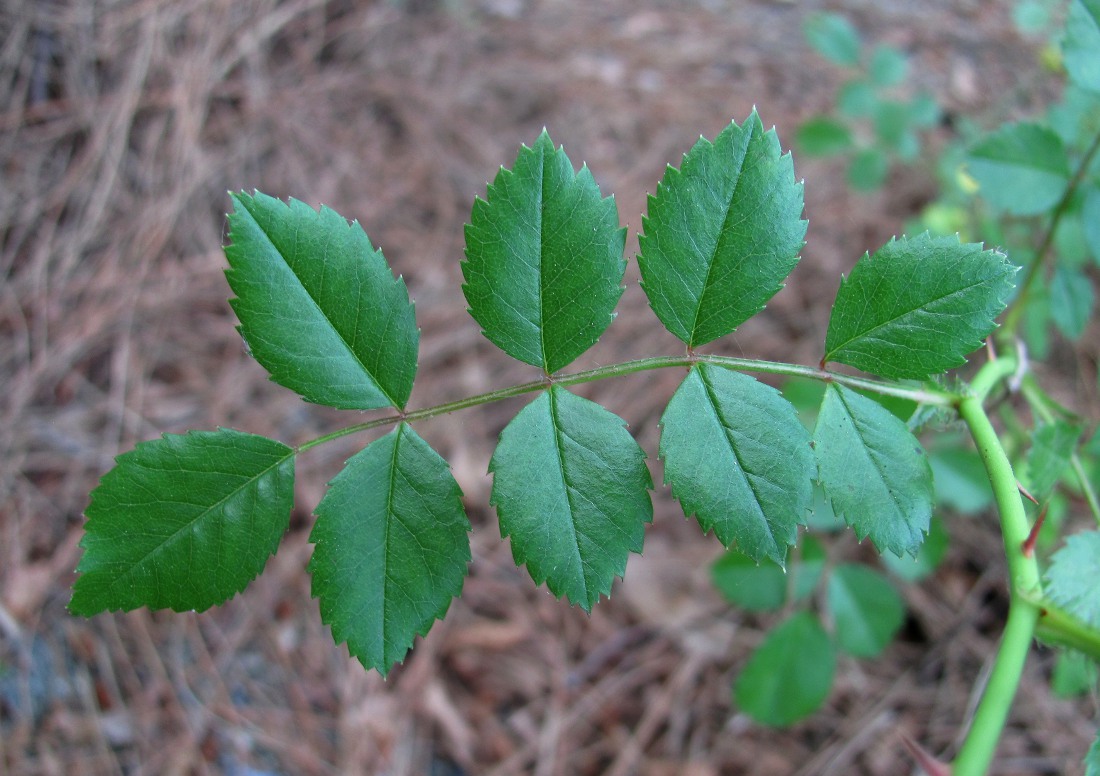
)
(930, 764)
(1024, 491)
(1028, 547)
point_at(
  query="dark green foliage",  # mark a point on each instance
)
(721, 234)
(391, 547)
(184, 522)
(544, 259)
(873, 470)
(572, 490)
(917, 307)
(738, 458)
(318, 305)
(789, 675)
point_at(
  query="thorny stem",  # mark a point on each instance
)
(1024, 581)
(1026, 605)
(919, 395)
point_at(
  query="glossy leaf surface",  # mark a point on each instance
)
(184, 522)
(873, 470)
(918, 306)
(572, 491)
(739, 459)
(544, 259)
(319, 307)
(721, 234)
(789, 675)
(392, 547)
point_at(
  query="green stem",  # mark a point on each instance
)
(980, 745)
(1034, 269)
(919, 395)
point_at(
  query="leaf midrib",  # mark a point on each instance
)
(541, 217)
(882, 324)
(317, 306)
(718, 239)
(712, 400)
(866, 448)
(567, 487)
(390, 515)
(186, 527)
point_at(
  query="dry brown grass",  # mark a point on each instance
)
(123, 123)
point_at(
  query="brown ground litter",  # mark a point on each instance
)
(122, 125)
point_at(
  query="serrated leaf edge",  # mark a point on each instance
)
(291, 453)
(238, 199)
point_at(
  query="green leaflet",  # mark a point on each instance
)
(918, 306)
(1090, 219)
(1073, 674)
(961, 482)
(873, 470)
(928, 558)
(1021, 168)
(1071, 578)
(318, 305)
(544, 259)
(823, 136)
(755, 587)
(392, 547)
(866, 609)
(834, 37)
(739, 459)
(1082, 44)
(721, 234)
(857, 99)
(789, 675)
(888, 66)
(893, 128)
(184, 522)
(1092, 758)
(763, 587)
(571, 488)
(868, 170)
(1071, 301)
(1052, 446)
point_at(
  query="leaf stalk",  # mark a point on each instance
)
(922, 395)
